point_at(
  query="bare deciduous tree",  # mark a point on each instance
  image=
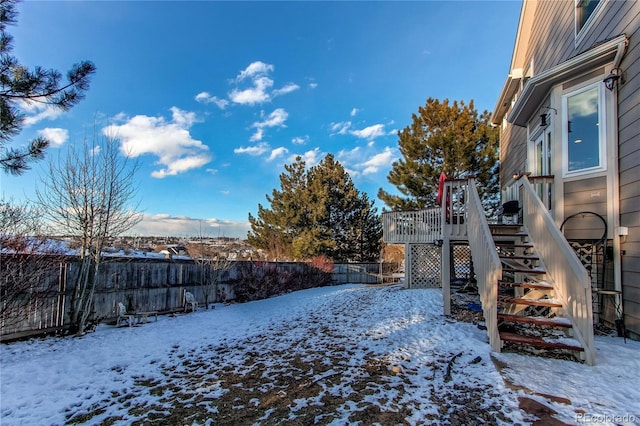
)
(88, 195)
(211, 263)
(29, 263)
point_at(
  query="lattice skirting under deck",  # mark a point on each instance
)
(424, 261)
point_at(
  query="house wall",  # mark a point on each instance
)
(550, 43)
(629, 162)
(513, 155)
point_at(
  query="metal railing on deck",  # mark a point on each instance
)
(417, 226)
(571, 282)
(486, 263)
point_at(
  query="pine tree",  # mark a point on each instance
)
(323, 213)
(18, 84)
(274, 229)
(450, 138)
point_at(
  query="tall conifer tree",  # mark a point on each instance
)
(318, 212)
(443, 137)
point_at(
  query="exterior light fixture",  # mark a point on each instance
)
(543, 120)
(611, 80)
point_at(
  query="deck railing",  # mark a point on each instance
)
(486, 263)
(416, 226)
(571, 282)
(454, 208)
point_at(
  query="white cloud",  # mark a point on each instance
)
(373, 164)
(313, 85)
(278, 152)
(170, 142)
(276, 118)
(298, 140)
(253, 87)
(257, 135)
(255, 150)
(255, 68)
(254, 95)
(55, 135)
(311, 158)
(259, 92)
(169, 225)
(35, 112)
(354, 112)
(370, 132)
(288, 88)
(206, 98)
(340, 128)
(350, 156)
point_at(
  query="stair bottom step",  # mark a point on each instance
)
(546, 303)
(539, 342)
(549, 322)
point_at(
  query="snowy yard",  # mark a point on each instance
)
(334, 355)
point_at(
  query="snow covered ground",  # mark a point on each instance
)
(334, 355)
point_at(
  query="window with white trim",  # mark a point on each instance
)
(584, 131)
(585, 13)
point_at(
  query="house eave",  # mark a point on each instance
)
(537, 87)
(509, 89)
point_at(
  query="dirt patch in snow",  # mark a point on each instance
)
(326, 367)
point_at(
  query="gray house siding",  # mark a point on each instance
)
(552, 42)
(513, 155)
(629, 160)
(586, 195)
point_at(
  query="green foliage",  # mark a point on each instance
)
(20, 85)
(317, 212)
(443, 137)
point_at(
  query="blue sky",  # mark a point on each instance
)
(213, 98)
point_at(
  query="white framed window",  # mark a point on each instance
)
(584, 132)
(586, 12)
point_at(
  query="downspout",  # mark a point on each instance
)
(617, 251)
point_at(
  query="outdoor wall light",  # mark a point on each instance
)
(543, 120)
(613, 77)
(545, 117)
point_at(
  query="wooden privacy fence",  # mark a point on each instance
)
(146, 285)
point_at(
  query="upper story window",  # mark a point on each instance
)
(585, 14)
(584, 132)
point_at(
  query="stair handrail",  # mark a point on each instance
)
(486, 263)
(571, 282)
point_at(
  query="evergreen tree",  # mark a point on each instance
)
(18, 84)
(450, 138)
(274, 229)
(323, 213)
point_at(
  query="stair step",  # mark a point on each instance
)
(518, 257)
(500, 229)
(539, 342)
(531, 286)
(547, 303)
(525, 271)
(508, 244)
(549, 322)
(511, 234)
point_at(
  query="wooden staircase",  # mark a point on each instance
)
(529, 317)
